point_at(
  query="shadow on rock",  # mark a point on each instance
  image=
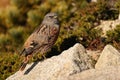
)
(30, 68)
(67, 43)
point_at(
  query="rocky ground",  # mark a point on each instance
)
(75, 63)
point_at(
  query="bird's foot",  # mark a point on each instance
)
(44, 57)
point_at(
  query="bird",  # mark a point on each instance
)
(42, 39)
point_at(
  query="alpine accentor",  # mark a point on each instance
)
(42, 39)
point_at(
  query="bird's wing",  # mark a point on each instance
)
(43, 37)
(35, 41)
(32, 46)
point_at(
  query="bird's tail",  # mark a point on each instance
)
(24, 63)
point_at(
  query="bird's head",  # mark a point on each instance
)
(51, 19)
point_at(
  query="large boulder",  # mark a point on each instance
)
(109, 57)
(108, 73)
(106, 68)
(69, 62)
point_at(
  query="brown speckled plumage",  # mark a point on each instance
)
(42, 39)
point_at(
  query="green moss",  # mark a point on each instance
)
(114, 35)
(9, 64)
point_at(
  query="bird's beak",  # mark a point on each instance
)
(55, 17)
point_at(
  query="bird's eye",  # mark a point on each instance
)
(51, 16)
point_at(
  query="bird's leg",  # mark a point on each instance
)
(44, 57)
(24, 63)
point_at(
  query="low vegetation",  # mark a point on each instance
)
(78, 19)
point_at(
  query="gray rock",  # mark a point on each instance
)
(108, 73)
(69, 62)
(109, 57)
(108, 25)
